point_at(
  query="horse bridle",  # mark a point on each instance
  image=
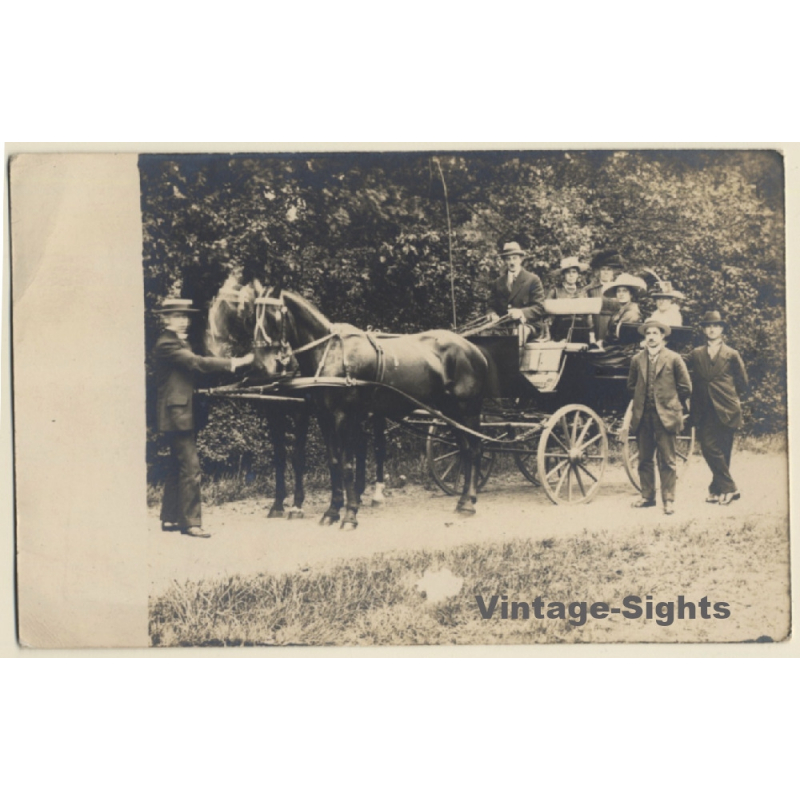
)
(261, 339)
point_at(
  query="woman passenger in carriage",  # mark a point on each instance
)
(570, 268)
(625, 289)
(667, 309)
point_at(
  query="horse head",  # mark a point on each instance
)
(274, 335)
(231, 316)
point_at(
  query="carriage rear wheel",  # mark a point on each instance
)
(572, 455)
(684, 448)
(444, 460)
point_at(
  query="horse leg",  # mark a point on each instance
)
(334, 448)
(379, 433)
(276, 422)
(360, 455)
(353, 444)
(470, 457)
(301, 424)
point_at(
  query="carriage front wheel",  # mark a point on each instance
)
(444, 460)
(572, 455)
(684, 447)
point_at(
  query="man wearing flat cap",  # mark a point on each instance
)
(176, 368)
(660, 384)
(519, 293)
(719, 379)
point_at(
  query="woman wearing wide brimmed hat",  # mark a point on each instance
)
(719, 378)
(624, 289)
(667, 308)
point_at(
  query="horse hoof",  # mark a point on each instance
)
(296, 513)
(466, 509)
(328, 520)
(275, 512)
(349, 526)
(377, 503)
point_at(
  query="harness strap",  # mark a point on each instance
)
(380, 366)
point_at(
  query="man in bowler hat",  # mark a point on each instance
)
(660, 384)
(518, 293)
(719, 379)
(176, 368)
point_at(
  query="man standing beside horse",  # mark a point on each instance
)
(519, 293)
(660, 384)
(176, 368)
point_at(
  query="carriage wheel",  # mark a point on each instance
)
(572, 455)
(526, 462)
(684, 448)
(444, 460)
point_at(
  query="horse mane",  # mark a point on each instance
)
(305, 308)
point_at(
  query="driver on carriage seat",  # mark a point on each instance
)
(519, 293)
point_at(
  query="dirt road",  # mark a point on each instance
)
(245, 541)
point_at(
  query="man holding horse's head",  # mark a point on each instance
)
(519, 293)
(176, 368)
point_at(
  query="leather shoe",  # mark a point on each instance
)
(728, 498)
(170, 526)
(669, 507)
(643, 503)
(197, 532)
(712, 498)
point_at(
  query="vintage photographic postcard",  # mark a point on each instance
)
(381, 397)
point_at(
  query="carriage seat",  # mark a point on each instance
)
(542, 362)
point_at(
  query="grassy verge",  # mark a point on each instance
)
(378, 601)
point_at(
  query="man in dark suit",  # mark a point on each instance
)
(719, 379)
(660, 383)
(518, 293)
(176, 368)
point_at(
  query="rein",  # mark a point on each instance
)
(262, 339)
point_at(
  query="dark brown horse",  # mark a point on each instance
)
(231, 321)
(386, 375)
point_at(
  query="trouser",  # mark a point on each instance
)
(181, 503)
(716, 444)
(654, 439)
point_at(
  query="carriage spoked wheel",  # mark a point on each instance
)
(684, 448)
(444, 460)
(572, 455)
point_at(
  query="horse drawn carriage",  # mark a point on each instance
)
(560, 408)
(553, 405)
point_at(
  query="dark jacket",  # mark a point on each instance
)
(629, 313)
(718, 385)
(672, 387)
(176, 367)
(526, 293)
(610, 307)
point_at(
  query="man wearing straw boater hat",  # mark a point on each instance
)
(719, 380)
(660, 383)
(519, 293)
(176, 368)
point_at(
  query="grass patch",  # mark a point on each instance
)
(376, 600)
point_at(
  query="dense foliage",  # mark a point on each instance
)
(365, 236)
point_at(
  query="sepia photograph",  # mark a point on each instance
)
(414, 397)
